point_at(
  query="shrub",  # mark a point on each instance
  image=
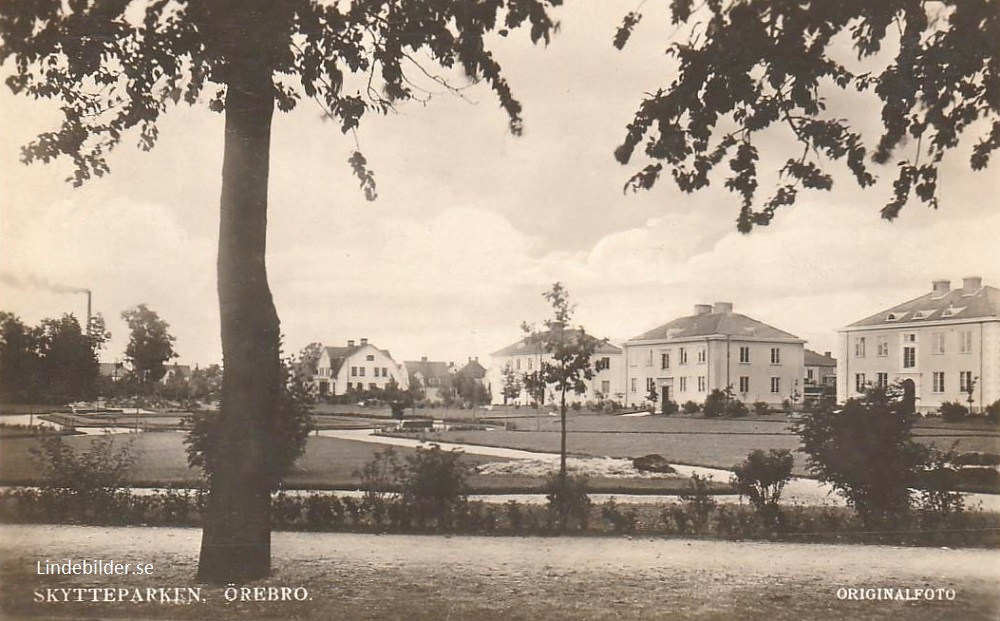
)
(690, 407)
(434, 485)
(715, 404)
(993, 412)
(761, 478)
(569, 504)
(973, 458)
(736, 409)
(865, 451)
(953, 411)
(760, 408)
(937, 498)
(698, 502)
(622, 521)
(669, 407)
(575, 406)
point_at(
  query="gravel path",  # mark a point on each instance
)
(349, 576)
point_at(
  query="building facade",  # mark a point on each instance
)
(524, 358)
(431, 375)
(820, 381)
(358, 366)
(714, 349)
(943, 344)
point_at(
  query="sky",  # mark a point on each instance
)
(472, 224)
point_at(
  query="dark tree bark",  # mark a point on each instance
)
(236, 543)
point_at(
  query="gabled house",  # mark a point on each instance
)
(714, 349)
(114, 371)
(820, 380)
(431, 375)
(526, 356)
(939, 345)
(356, 366)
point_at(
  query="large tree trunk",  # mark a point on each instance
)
(236, 543)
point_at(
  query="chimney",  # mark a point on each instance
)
(423, 358)
(364, 341)
(971, 284)
(941, 287)
(477, 358)
(702, 309)
(723, 307)
(827, 354)
(350, 343)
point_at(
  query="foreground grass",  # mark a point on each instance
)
(478, 579)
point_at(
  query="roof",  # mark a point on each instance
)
(430, 368)
(814, 359)
(112, 369)
(716, 324)
(524, 348)
(984, 303)
(474, 370)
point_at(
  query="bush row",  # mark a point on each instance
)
(694, 516)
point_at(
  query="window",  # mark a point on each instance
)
(882, 380)
(633, 385)
(859, 382)
(965, 341)
(372, 386)
(349, 386)
(517, 364)
(744, 355)
(965, 381)
(937, 345)
(354, 371)
(910, 337)
(859, 347)
(702, 356)
(370, 357)
(384, 372)
(882, 346)
(810, 375)
(602, 364)
(375, 372)
(665, 360)
(909, 357)
(775, 355)
(744, 384)
(650, 384)
(649, 358)
(683, 384)
(683, 355)
(361, 371)
(531, 363)
(605, 386)
(938, 379)
(775, 385)
(701, 383)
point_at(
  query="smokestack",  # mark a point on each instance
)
(364, 341)
(350, 342)
(971, 284)
(723, 307)
(940, 287)
(702, 309)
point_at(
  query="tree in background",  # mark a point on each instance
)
(866, 452)
(566, 367)
(758, 66)
(150, 345)
(534, 385)
(116, 66)
(55, 362)
(206, 384)
(511, 388)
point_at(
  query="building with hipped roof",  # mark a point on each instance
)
(938, 345)
(526, 357)
(714, 349)
(357, 366)
(431, 375)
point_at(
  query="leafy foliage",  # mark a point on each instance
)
(511, 384)
(953, 411)
(762, 477)
(757, 66)
(434, 485)
(866, 452)
(54, 362)
(150, 344)
(569, 503)
(118, 66)
(287, 432)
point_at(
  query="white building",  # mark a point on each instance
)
(939, 344)
(525, 357)
(715, 348)
(357, 366)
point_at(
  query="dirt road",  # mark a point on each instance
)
(345, 576)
